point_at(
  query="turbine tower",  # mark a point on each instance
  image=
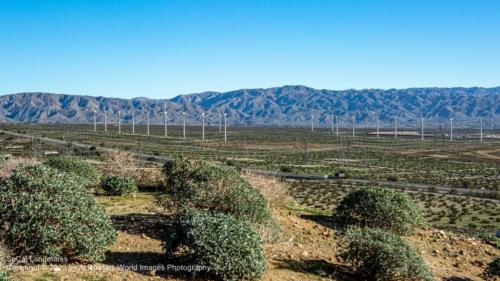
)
(331, 116)
(481, 130)
(337, 125)
(147, 125)
(203, 125)
(165, 120)
(353, 122)
(119, 122)
(451, 129)
(422, 128)
(220, 122)
(184, 125)
(95, 121)
(395, 127)
(133, 123)
(105, 120)
(225, 127)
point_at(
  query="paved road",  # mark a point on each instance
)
(396, 185)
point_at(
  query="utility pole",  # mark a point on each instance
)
(119, 122)
(203, 125)
(422, 128)
(147, 123)
(451, 129)
(378, 131)
(184, 125)
(225, 127)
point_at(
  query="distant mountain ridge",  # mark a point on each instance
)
(285, 106)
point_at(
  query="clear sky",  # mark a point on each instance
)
(160, 49)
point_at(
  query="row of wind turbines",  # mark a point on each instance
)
(335, 127)
(165, 120)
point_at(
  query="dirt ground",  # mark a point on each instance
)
(307, 250)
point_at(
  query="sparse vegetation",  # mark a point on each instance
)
(381, 208)
(75, 166)
(49, 213)
(379, 255)
(205, 186)
(115, 185)
(4, 254)
(229, 248)
(493, 270)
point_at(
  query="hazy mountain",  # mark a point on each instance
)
(286, 106)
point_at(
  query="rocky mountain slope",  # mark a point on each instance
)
(285, 106)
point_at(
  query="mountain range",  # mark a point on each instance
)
(278, 106)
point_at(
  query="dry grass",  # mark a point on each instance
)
(4, 255)
(125, 165)
(274, 190)
(119, 164)
(12, 163)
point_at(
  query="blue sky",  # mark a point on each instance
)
(160, 49)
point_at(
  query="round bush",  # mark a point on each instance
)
(205, 186)
(4, 276)
(381, 208)
(116, 185)
(76, 166)
(378, 255)
(48, 213)
(493, 270)
(226, 247)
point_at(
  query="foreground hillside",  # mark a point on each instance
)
(307, 250)
(285, 106)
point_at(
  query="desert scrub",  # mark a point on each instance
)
(48, 213)
(115, 185)
(3, 158)
(205, 186)
(380, 207)
(376, 254)
(4, 254)
(227, 247)
(493, 270)
(75, 166)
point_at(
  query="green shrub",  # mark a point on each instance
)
(379, 255)
(286, 169)
(392, 178)
(381, 208)
(493, 269)
(490, 237)
(76, 166)
(4, 276)
(227, 247)
(205, 186)
(48, 213)
(3, 158)
(116, 185)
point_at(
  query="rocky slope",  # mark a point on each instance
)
(286, 106)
